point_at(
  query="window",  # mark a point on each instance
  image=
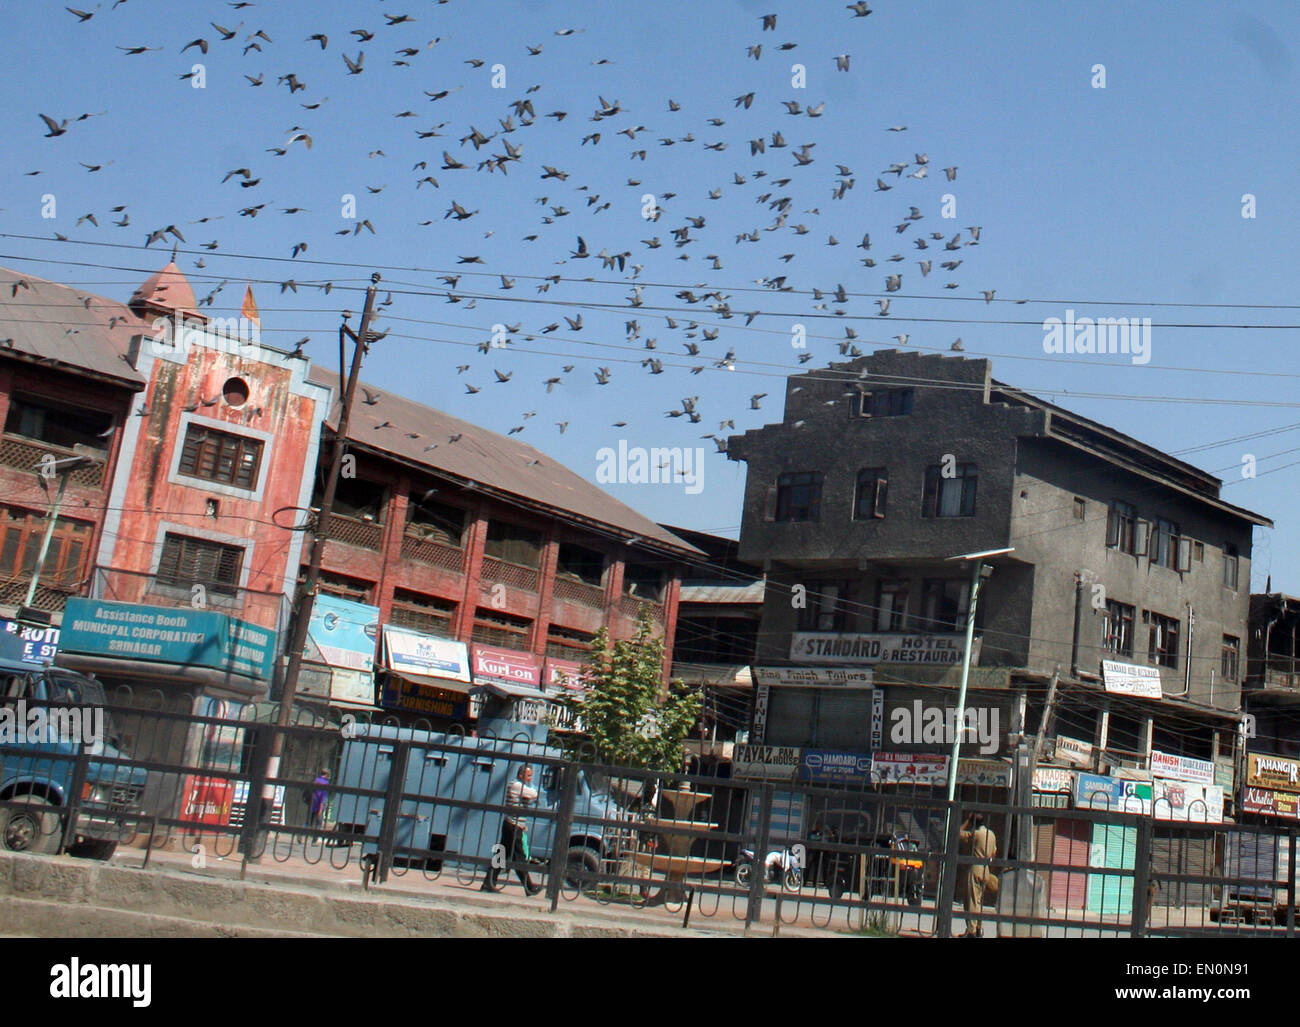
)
(1117, 634)
(356, 498)
(828, 606)
(1198, 551)
(949, 497)
(883, 403)
(420, 612)
(869, 500)
(1230, 566)
(1164, 539)
(944, 602)
(1162, 639)
(643, 582)
(344, 587)
(501, 629)
(579, 562)
(56, 424)
(799, 496)
(1080, 506)
(435, 522)
(1231, 655)
(220, 456)
(568, 643)
(1121, 527)
(891, 606)
(513, 544)
(186, 561)
(21, 533)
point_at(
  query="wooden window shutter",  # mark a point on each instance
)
(1183, 556)
(769, 504)
(882, 490)
(1141, 537)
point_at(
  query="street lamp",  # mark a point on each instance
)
(48, 468)
(980, 572)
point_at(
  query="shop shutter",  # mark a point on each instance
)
(844, 719)
(1070, 848)
(1183, 851)
(787, 817)
(790, 716)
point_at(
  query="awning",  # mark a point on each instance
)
(511, 690)
(446, 684)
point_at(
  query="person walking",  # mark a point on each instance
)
(320, 800)
(520, 794)
(982, 844)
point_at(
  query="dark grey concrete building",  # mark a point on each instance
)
(1130, 574)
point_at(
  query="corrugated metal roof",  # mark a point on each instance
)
(495, 461)
(736, 675)
(62, 325)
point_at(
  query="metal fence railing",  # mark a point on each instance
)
(429, 810)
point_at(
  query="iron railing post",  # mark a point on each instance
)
(949, 869)
(1142, 878)
(1290, 883)
(560, 835)
(392, 810)
(251, 841)
(758, 873)
(80, 771)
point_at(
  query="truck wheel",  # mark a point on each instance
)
(582, 859)
(32, 827)
(837, 885)
(100, 850)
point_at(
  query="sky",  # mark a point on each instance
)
(1118, 160)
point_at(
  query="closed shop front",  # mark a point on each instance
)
(1182, 850)
(844, 720)
(1071, 846)
(790, 716)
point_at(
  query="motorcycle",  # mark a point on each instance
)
(780, 865)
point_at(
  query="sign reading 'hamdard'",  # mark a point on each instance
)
(854, 648)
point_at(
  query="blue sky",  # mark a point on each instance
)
(1116, 201)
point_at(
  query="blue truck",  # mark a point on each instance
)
(47, 715)
(436, 772)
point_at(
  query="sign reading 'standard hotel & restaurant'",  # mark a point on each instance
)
(849, 647)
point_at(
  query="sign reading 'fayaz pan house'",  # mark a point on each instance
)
(852, 647)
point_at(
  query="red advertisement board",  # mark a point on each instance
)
(207, 800)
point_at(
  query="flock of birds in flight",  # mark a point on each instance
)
(506, 151)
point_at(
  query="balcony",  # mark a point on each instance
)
(436, 554)
(632, 607)
(1280, 674)
(354, 531)
(512, 575)
(50, 598)
(570, 590)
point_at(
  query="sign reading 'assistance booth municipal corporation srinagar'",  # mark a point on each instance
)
(855, 648)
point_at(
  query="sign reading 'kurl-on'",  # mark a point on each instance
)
(849, 647)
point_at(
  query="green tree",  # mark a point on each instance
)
(626, 714)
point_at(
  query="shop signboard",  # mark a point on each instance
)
(815, 677)
(1182, 768)
(941, 676)
(337, 684)
(1053, 779)
(166, 634)
(1271, 803)
(1112, 794)
(1276, 772)
(920, 768)
(762, 695)
(1131, 679)
(1225, 773)
(765, 762)
(859, 649)
(1074, 751)
(26, 643)
(402, 693)
(1173, 799)
(563, 675)
(825, 766)
(515, 668)
(342, 633)
(409, 652)
(988, 773)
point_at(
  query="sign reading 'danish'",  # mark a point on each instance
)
(1182, 768)
(857, 648)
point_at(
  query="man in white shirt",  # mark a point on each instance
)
(520, 794)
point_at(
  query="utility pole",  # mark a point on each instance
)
(307, 591)
(1027, 844)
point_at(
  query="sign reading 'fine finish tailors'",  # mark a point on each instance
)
(164, 634)
(857, 648)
